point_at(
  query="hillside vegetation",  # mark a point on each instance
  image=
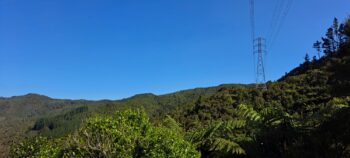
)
(19, 113)
(304, 114)
(33, 114)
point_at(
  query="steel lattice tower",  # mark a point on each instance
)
(259, 51)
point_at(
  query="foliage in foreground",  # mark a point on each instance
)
(127, 133)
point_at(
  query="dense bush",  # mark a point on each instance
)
(127, 133)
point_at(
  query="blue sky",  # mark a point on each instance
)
(97, 49)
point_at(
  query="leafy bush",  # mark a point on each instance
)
(127, 133)
(36, 147)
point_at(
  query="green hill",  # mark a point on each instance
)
(33, 114)
(19, 113)
(68, 121)
(297, 116)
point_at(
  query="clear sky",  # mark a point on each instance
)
(96, 49)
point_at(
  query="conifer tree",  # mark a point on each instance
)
(347, 29)
(307, 58)
(326, 45)
(317, 46)
(330, 37)
(342, 37)
(336, 34)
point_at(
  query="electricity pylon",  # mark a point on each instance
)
(259, 50)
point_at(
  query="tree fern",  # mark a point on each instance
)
(170, 123)
(223, 137)
(249, 113)
(221, 144)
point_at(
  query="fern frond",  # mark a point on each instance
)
(210, 131)
(268, 111)
(220, 144)
(235, 124)
(249, 113)
(170, 123)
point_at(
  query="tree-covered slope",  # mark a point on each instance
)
(33, 114)
(19, 113)
(66, 122)
(295, 117)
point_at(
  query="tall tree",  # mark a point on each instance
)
(341, 37)
(307, 58)
(317, 46)
(330, 37)
(336, 34)
(347, 28)
(326, 45)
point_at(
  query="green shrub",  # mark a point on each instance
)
(36, 147)
(127, 133)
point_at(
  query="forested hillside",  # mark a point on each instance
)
(33, 114)
(19, 113)
(304, 114)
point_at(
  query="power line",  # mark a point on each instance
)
(252, 18)
(275, 17)
(280, 13)
(284, 15)
(252, 27)
(258, 50)
(280, 24)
